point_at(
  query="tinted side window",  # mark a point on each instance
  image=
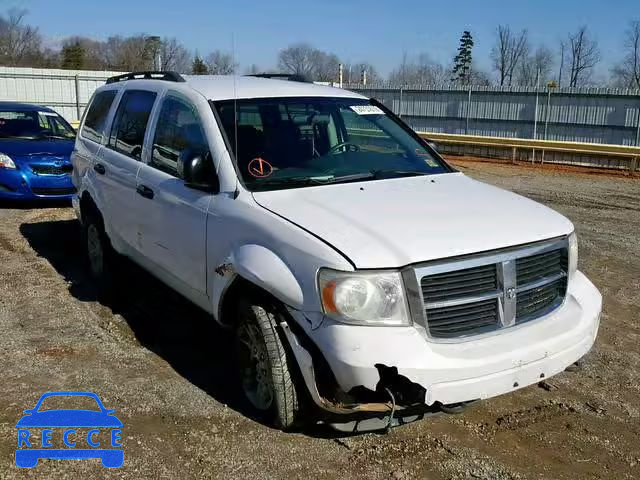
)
(130, 123)
(94, 123)
(178, 129)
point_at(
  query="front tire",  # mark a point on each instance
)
(265, 369)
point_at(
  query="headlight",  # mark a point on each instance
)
(573, 254)
(6, 162)
(364, 298)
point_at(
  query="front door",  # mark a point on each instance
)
(173, 217)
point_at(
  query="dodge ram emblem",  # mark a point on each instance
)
(510, 293)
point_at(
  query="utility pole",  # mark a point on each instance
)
(340, 74)
(535, 119)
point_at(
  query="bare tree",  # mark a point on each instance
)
(19, 43)
(536, 68)
(354, 72)
(297, 59)
(220, 63)
(421, 71)
(584, 55)
(627, 72)
(174, 56)
(508, 52)
(303, 59)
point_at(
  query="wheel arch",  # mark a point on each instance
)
(256, 270)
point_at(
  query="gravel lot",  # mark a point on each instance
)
(163, 367)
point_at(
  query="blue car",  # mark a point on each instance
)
(33, 446)
(35, 145)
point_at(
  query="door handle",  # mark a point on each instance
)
(98, 167)
(145, 191)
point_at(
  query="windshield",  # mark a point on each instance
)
(34, 125)
(294, 142)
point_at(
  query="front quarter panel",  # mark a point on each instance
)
(246, 240)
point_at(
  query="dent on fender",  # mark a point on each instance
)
(265, 269)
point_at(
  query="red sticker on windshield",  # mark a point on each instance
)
(260, 168)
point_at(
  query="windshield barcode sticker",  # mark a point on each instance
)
(366, 110)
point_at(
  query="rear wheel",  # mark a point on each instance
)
(100, 255)
(265, 370)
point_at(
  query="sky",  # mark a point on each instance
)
(356, 30)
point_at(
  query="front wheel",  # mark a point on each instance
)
(265, 370)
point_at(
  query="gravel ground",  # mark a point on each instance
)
(163, 367)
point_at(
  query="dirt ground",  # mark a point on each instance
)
(163, 367)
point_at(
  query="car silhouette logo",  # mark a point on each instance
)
(31, 448)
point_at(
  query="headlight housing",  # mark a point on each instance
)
(364, 298)
(6, 162)
(573, 255)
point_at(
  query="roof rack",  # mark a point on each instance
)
(148, 75)
(292, 77)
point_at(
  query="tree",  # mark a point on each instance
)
(220, 63)
(627, 72)
(536, 69)
(508, 52)
(422, 71)
(463, 60)
(353, 73)
(174, 56)
(73, 55)
(19, 43)
(198, 67)
(584, 55)
(303, 59)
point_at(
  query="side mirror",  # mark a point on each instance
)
(196, 169)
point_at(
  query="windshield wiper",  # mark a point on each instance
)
(398, 173)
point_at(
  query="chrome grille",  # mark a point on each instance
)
(474, 295)
(445, 322)
(533, 268)
(461, 283)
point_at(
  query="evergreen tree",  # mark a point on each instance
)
(73, 56)
(198, 67)
(462, 61)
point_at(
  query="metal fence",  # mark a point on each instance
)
(66, 91)
(591, 115)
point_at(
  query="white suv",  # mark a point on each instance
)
(358, 269)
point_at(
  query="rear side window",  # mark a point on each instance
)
(178, 129)
(130, 124)
(96, 119)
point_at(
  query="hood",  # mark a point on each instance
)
(397, 222)
(28, 149)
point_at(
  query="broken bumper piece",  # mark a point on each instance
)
(449, 373)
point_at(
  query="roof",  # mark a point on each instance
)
(228, 87)
(24, 107)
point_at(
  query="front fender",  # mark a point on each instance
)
(268, 271)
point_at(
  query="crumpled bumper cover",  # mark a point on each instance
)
(472, 369)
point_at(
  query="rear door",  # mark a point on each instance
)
(172, 217)
(91, 136)
(117, 168)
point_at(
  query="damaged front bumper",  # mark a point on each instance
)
(452, 373)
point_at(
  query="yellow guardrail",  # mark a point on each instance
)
(631, 153)
(75, 124)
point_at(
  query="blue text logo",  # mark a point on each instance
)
(75, 433)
